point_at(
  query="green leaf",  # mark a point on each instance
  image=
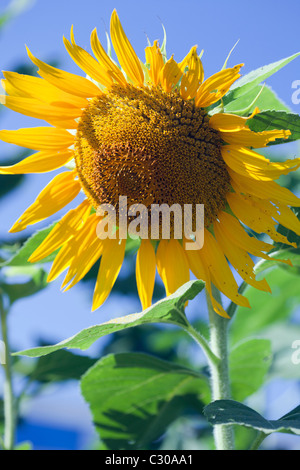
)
(254, 78)
(231, 412)
(20, 258)
(266, 309)
(15, 291)
(269, 120)
(267, 99)
(60, 366)
(249, 363)
(134, 397)
(169, 310)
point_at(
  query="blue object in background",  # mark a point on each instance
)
(48, 438)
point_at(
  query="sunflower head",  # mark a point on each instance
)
(146, 131)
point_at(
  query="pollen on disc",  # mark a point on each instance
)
(152, 147)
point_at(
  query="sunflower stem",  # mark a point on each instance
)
(220, 382)
(9, 408)
(201, 341)
(258, 440)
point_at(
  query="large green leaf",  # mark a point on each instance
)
(230, 412)
(249, 363)
(60, 366)
(262, 96)
(254, 78)
(169, 310)
(267, 309)
(271, 119)
(134, 397)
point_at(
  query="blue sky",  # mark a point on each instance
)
(267, 30)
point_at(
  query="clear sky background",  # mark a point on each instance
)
(268, 30)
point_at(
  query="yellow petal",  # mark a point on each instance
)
(62, 261)
(240, 237)
(63, 231)
(66, 81)
(110, 265)
(27, 86)
(39, 138)
(155, 59)
(73, 246)
(87, 63)
(127, 57)
(225, 122)
(34, 108)
(81, 265)
(248, 138)
(248, 163)
(145, 272)
(170, 75)
(280, 212)
(56, 195)
(251, 214)
(263, 189)
(193, 77)
(190, 58)
(106, 63)
(201, 271)
(285, 216)
(239, 258)
(220, 271)
(216, 86)
(161, 261)
(89, 251)
(40, 162)
(172, 265)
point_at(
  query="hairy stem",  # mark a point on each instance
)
(258, 440)
(9, 408)
(220, 382)
(201, 341)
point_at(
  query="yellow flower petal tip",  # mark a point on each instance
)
(17, 227)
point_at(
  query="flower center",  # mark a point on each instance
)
(152, 147)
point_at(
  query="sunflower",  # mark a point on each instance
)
(146, 131)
